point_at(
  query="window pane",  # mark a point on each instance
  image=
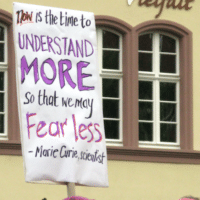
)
(168, 112)
(168, 132)
(145, 131)
(110, 108)
(167, 44)
(110, 40)
(168, 63)
(111, 129)
(145, 62)
(111, 60)
(145, 42)
(2, 81)
(1, 33)
(1, 52)
(145, 111)
(1, 123)
(110, 87)
(145, 90)
(1, 102)
(167, 91)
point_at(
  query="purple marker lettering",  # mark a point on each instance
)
(75, 132)
(71, 48)
(26, 68)
(31, 42)
(43, 75)
(90, 132)
(41, 125)
(37, 43)
(79, 49)
(59, 53)
(43, 43)
(65, 45)
(62, 125)
(100, 135)
(81, 130)
(28, 125)
(87, 47)
(20, 41)
(49, 41)
(65, 73)
(80, 76)
(57, 131)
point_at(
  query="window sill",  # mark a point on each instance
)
(10, 147)
(153, 155)
(163, 146)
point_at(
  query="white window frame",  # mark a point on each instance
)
(156, 77)
(4, 68)
(112, 74)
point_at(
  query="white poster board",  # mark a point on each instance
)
(60, 105)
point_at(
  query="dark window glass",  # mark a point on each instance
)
(1, 123)
(167, 91)
(111, 129)
(167, 44)
(1, 102)
(1, 52)
(145, 131)
(110, 108)
(111, 60)
(168, 132)
(168, 63)
(1, 33)
(110, 88)
(145, 42)
(145, 90)
(145, 111)
(2, 81)
(110, 40)
(145, 62)
(168, 112)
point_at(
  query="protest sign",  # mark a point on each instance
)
(59, 98)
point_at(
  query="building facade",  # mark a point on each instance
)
(148, 54)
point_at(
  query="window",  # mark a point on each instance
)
(162, 63)
(178, 77)
(158, 62)
(3, 82)
(110, 60)
(114, 36)
(9, 122)
(159, 80)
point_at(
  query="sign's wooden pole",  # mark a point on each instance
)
(71, 189)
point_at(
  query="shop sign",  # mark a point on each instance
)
(160, 4)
